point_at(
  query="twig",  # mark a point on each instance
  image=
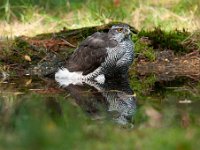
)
(67, 43)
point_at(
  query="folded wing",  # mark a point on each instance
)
(90, 53)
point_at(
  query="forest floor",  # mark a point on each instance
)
(165, 54)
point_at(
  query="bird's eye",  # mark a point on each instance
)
(119, 29)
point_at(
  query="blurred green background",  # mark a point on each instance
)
(30, 17)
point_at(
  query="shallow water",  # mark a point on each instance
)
(113, 100)
(164, 103)
(142, 112)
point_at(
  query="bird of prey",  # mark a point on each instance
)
(100, 56)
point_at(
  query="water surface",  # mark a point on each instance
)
(160, 103)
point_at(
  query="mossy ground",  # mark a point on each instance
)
(25, 52)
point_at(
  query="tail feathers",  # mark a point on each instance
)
(62, 73)
(64, 77)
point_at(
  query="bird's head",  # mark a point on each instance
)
(119, 32)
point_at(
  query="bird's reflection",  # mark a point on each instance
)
(114, 98)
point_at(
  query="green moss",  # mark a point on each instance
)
(141, 86)
(142, 49)
(161, 39)
(21, 45)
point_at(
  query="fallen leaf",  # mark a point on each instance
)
(28, 82)
(27, 58)
(185, 101)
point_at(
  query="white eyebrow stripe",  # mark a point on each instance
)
(115, 27)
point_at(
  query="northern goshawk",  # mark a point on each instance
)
(99, 56)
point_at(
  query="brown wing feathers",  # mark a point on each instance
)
(90, 54)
